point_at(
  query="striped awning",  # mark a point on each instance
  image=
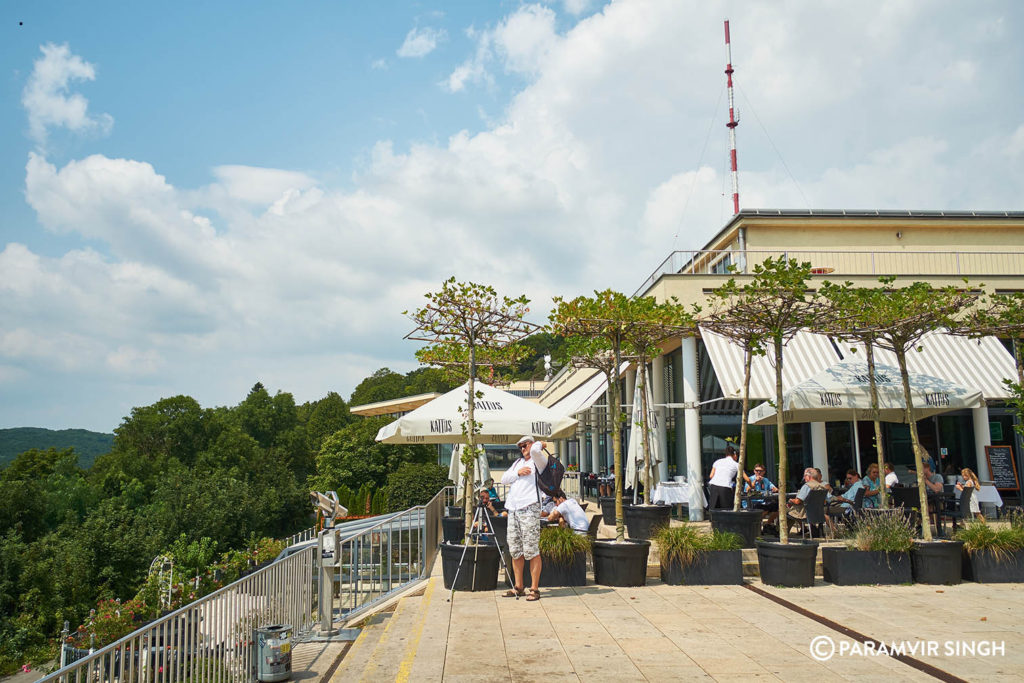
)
(804, 356)
(586, 394)
(975, 363)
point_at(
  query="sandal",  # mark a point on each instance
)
(534, 596)
(513, 593)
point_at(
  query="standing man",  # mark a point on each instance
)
(523, 505)
(723, 479)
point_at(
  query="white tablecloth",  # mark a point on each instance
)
(676, 494)
(986, 494)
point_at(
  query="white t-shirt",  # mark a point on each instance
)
(522, 489)
(891, 479)
(725, 472)
(574, 515)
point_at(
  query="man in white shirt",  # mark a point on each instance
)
(569, 510)
(523, 505)
(723, 479)
(890, 476)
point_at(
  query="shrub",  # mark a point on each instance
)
(1002, 542)
(885, 533)
(683, 544)
(560, 545)
(414, 484)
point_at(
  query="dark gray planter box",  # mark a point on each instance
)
(985, 566)
(554, 575)
(713, 568)
(846, 567)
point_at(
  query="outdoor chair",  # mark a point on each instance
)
(906, 497)
(595, 523)
(814, 507)
(856, 510)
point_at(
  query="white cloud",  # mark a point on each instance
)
(420, 42)
(522, 42)
(47, 100)
(576, 7)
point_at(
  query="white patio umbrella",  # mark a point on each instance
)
(504, 417)
(842, 393)
(635, 448)
(481, 472)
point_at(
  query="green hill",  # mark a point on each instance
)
(88, 445)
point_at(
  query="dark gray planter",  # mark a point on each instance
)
(846, 567)
(620, 563)
(985, 566)
(937, 562)
(479, 567)
(643, 520)
(790, 564)
(453, 529)
(745, 523)
(554, 575)
(713, 568)
(608, 509)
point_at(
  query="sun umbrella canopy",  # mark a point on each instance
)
(635, 448)
(504, 417)
(843, 393)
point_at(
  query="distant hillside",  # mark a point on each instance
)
(88, 445)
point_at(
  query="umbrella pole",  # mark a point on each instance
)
(856, 444)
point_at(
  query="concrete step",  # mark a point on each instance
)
(355, 659)
(390, 649)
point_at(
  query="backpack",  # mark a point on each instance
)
(549, 480)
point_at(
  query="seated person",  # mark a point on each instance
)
(547, 504)
(568, 512)
(873, 484)
(795, 512)
(606, 489)
(890, 476)
(760, 484)
(839, 505)
(488, 502)
(491, 491)
(932, 481)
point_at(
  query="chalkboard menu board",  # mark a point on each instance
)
(1002, 467)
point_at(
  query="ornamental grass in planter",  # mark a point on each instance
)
(563, 555)
(878, 552)
(993, 555)
(689, 556)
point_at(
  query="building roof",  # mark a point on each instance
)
(395, 405)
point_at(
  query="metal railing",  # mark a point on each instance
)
(301, 537)
(209, 640)
(952, 263)
(384, 558)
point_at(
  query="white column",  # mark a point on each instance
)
(982, 438)
(691, 422)
(630, 388)
(595, 442)
(581, 441)
(819, 449)
(658, 393)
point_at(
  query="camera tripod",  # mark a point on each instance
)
(480, 514)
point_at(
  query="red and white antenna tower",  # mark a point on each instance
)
(732, 126)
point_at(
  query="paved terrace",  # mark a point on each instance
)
(671, 633)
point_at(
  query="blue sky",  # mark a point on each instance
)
(200, 196)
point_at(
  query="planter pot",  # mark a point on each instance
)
(746, 523)
(937, 562)
(500, 526)
(608, 509)
(643, 520)
(845, 567)
(790, 564)
(453, 528)
(453, 511)
(984, 566)
(712, 568)
(554, 575)
(479, 567)
(620, 564)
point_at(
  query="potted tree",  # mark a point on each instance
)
(597, 328)
(993, 555)
(692, 557)
(467, 325)
(877, 552)
(564, 557)
(776, 304)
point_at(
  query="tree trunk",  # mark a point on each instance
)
(470, 443)
(883, 500)
(908, 415)
(644, 434)
(1018, 354)
(613, 416)
(747, 359)
(780, 428)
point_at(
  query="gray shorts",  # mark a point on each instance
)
(524, 532)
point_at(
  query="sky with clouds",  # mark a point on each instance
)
(197, 197)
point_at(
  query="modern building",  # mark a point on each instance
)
(697, 380)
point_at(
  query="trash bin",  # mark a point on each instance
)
(273, 652)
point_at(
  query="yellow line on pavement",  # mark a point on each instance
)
(405, 668)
